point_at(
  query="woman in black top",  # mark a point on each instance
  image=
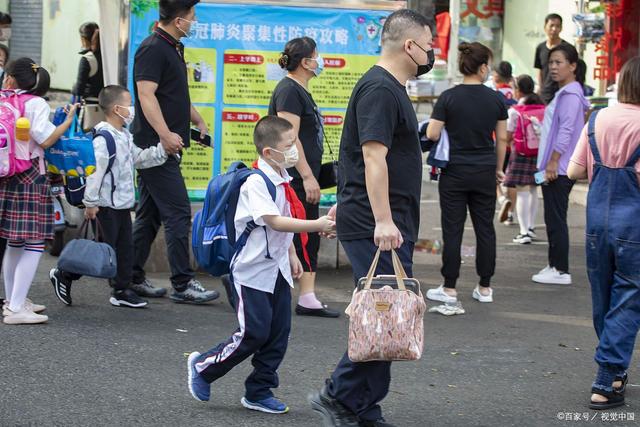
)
(89, 81)
(292, 101)
(470, 113)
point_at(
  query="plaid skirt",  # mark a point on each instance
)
(26, 206)
(520, 170)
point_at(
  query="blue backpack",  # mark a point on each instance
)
(213, 237)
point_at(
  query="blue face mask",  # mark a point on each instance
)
(320, 61)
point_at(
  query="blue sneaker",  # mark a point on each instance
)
(198, 387)
(270, 405)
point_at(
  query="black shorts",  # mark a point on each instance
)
(313, 244)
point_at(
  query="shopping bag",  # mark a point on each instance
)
(89, 257)
(72, 155)
(386, 316)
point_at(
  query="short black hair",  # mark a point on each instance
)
(505, 71)
(5, 19)
(110, 95)
(552, 16)
(172, 9)
(268, 132)
(29, 76)
(400, 22)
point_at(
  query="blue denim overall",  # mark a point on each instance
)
(613, 261)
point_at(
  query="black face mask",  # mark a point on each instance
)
(424, 68)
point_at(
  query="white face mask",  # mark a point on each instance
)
(290, 157)
(132, 113)
(5, 34)
(191, 27)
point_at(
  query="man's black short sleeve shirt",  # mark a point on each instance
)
(379, 110)
(160, 59)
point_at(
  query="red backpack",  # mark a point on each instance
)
(526, 137)
(14, 157)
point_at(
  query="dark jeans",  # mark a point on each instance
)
(360, 386)
(265, 323)
(116, 225)
(472, 187)
(556, 204)
(163, 199)
(313, 244)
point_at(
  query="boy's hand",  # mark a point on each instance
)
(326, 224)
(90, 213)
(296, 266)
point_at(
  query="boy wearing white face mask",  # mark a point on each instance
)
(262, 274)
(110, 194)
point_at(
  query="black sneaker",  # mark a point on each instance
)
(377, 423)
(127, 298)
(61, 286)
(147, 290)
(228, 287)
(194, 294)
(333, 413)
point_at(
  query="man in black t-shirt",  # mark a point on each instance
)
(547, 88)
(379, 187)
(163, 112)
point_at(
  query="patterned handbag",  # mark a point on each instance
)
(386, 316)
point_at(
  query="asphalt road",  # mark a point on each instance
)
(525, 360)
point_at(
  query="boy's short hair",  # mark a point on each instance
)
(110, 95)
(552, 16)
(5, 19)
(172, 9)
(268, 132)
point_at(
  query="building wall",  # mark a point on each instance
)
(60, 40)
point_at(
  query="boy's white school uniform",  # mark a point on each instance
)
(251, 267)
(128, 156)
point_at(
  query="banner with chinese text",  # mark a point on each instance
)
(232, 64)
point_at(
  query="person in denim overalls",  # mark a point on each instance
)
(613, 237)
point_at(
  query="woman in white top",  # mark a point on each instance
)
(26, 207)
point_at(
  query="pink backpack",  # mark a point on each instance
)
(15, 157)
(526, 137)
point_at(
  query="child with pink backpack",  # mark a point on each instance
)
(524, 127)
(26, 207)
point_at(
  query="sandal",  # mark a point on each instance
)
(623, 387)
(614, 399)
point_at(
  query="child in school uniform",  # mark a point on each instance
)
(261, 283)
(26, 207)
(111, 204)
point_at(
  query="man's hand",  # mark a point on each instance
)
(311, 189)
(204, 130)
(296, 266)
(91, 213)
(171, 142)
(332, 215)
(499, 176)
(332, 212)
(551, 171)
(387, 236)
(325, 224)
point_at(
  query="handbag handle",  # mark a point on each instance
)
(98, 232)
(400, 274)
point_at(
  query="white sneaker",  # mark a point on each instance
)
(482, 298)
(532, 234)
(28, 304)
(551, 276)
(24, 317)
(523, 239)
(438, 294)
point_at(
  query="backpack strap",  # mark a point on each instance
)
(241, 241)
(592, 137)
(634, 158)
(111, 149)
(93, 63)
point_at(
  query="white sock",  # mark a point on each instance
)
(24, 273)
(533, 206)
(11, 257)
(522, 205)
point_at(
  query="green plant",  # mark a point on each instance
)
(140, 7)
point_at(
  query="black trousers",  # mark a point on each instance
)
(556, 204)
(472, 187)
(313, 244)
(360, 386)
(3, 246)
(116, 225)
(163, 200)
